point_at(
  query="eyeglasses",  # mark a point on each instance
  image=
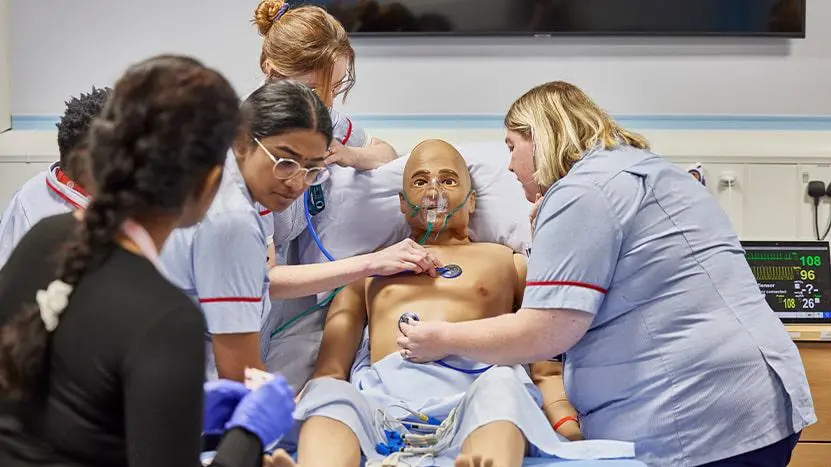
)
(342, 86)
(285, 169)
(337, 89)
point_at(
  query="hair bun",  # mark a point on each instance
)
(267, 13)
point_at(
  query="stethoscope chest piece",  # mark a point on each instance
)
(406, 318)
(450, 271)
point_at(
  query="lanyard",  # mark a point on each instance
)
(138, 234)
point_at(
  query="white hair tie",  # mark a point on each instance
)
(52, 302)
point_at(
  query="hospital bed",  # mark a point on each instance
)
(529, 462)
(501, 217)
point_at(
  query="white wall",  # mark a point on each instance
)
(61, 47)
(5, 63)
(768, 201)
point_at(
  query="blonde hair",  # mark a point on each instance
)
(301, 40)
(564, 123)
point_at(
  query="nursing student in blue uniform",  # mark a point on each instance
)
(221, 262)
(638, 278)
(61, 188)
(307, 44)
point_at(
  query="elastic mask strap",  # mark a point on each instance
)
(427, 233)
(416, 209)
(430, 224)
(411, 205)
(453, 211)
(462, 204)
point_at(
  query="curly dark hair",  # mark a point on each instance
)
(168, 124)
(76, 120)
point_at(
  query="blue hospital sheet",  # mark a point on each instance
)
(542, 462)
(462, 401)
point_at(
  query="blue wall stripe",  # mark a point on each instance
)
(485, 122)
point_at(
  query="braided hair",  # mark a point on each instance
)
(169, 122)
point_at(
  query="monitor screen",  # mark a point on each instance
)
(569, 17)
(795, 278)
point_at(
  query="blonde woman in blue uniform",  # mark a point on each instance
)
(221, 262)
(638, 278)
(307, 44)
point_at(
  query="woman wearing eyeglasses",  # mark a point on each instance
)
(221, 262)
(306, 44)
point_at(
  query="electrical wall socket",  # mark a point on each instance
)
(727, 178)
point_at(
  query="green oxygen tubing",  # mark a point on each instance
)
(326, 301)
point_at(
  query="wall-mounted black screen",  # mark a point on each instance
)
(570, 17)
(795, 278)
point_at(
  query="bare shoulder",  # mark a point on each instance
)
(521, 263)
(491, 248)
(496, 254)
(350, 295)
(358, 286)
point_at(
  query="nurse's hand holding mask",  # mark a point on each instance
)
(404, 256)
(343, 156)
(346, 156)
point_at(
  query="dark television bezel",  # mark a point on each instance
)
(554, 34)
(792, 244)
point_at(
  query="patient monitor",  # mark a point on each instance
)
(795, 278)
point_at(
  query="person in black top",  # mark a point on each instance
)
(101, 358)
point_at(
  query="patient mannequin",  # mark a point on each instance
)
(491, 283)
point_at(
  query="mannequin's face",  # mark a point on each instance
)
(436, 176)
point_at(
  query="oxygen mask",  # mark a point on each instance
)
(433, 202)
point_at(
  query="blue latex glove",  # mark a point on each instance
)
(221, 399)
(266, 412)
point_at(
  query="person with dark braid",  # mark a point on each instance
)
(101, 358)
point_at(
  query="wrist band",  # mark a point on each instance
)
(561, 421)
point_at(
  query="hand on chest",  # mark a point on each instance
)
(467, 275)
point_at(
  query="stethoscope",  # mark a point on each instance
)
(449, 271)
(408, 316)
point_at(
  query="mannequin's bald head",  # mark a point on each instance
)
(439, 160)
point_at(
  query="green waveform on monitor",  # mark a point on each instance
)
(771, 255)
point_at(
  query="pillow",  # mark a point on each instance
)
(362, 209)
